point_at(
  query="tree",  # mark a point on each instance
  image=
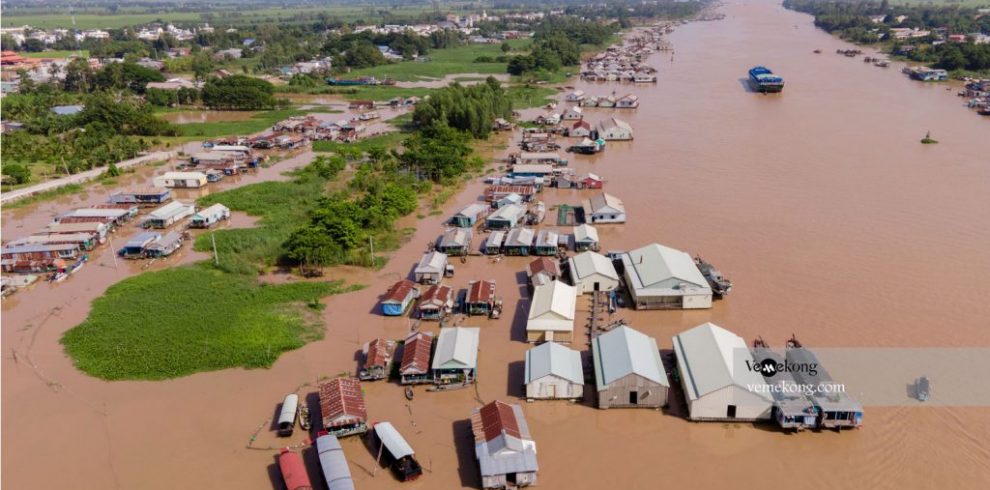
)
(17, 173)
(201, 66)
(238, 92)
(78, 76)
(506, 47)
(32, 45)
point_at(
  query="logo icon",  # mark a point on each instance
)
(768, 368)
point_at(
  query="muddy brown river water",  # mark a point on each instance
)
(832, 220)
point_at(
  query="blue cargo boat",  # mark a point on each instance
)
(763, 80)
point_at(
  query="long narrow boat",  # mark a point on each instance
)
(763, 80)
(333, 462)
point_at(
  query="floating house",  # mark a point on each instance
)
(287, 415)
(495, 192)
(168, 215)
(551, 313)
(164, 246)
(493, 244)
(416, 353)
(519, 241)
(333, 462)
(398, 298)
(469, 216)
(604, 208)
(573, 114)
(142, 197)
(342, 407)
(480, 298)
(137, 247)
(505, 450)
(377, 358)
(509, 200)
(718, 384)
(398, 454)
(613, 129)
(543, 271)
(628, 101)
(505, 217)
(553, 372)
(85, 241)
(436, 303)
(111, 217)
(592, 271)
(586, 238)
(100, 229)
(181, 180)
(836, 409)
(455, 242)
(540, 157)
(293, 470)
(660, 277)
(36, 257)
(456, 358)
(532, 170)
(210, 216)
(628, 370)
(589, 181)
(580, 129)
(792, 408)
(547, 243)
(575, 96)
(431, 268)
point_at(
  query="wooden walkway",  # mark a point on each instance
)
(600, 319)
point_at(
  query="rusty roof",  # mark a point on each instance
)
(544, 264)
(342, 402)
(399, 291)
(495, 419)
(416, 353)
(481, 292)
(438, 295)
(379, 353)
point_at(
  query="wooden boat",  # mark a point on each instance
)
(304, 421)
(409, 393)
(922, 388)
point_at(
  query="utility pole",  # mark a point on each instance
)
(371, 249)
(113, 253)
(216, 258)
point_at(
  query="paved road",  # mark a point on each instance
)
(81, 177)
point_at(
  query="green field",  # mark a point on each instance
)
(258, 122)
(443, 62)
(176, 322)
(56, 54)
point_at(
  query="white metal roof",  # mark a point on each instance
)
(659, 270)
(183, 176)
(585, 233)
(457, 347)
(288, 412)
(606, 203)
(511, 212)
(432, 262)
(473, 210)
(392, 440)
(552, 308)
(94, 213)
(456, 237)
(711, 358)
(174, 208)
(532, 168)
(547, 238)
(520, 237)
(333, 461)
(216, 209)
(624, 351)
(586, 264)
(551, 358)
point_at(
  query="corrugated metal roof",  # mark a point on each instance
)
(455, 237)
(431, 262)
(334, 463)
(95, 213)
(585, 233)
(288, 412)
(171, 209)
(512, 213)
(663, 268)
(520, 237)
(378, 352)
(293, 471)
(587, 264)
(552, 308)
(473, 211)
(547, 238)
(398, 292)
(481, 292)
(214, 210)
(392, 440)
(457, 348)
(502, 441)
(711, 358)
(607, 203)
(183, 176)
(143, 239)
(77, 227)
(625, 351)
(342, 402)
(551, 358)
(543, 264)
(437, 296)
(416, 353)
(39, 247)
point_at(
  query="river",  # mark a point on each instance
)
(832, 220)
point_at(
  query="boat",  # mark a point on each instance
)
(818, 51)
(496, 310)
(409, 393)
(922, 389)
(719, 284)
(304, 421)
(62, 271)
(764, 81)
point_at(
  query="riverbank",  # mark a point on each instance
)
(879, 242)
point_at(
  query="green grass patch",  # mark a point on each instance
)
(525, 96)
(44, 196)
(387, 140)
(176, 322)
(56, 54)
(258, 122)
(443, 62)
(373, 92)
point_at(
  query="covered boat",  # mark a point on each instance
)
(333, 462)
(287, 416)
(763, 80)
(398, 453)
(293, 471)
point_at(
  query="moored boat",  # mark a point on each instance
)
(763, 80)
(719, 284)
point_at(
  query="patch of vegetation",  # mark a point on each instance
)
(44, 196)
(258, 122)
(443, 62)
(176, 322)
(472, 109)
(526, 96)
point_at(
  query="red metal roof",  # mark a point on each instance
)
(438, 295)
(544, 264)
(496, 418)
(399, 290)
(379, 353)
(293, 471)
(416, 353)
(342, 402)
(481, 292)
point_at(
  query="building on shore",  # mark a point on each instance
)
(660, 277)
(628, 370)
(505, 451)
(553, 372)
(717, 374)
